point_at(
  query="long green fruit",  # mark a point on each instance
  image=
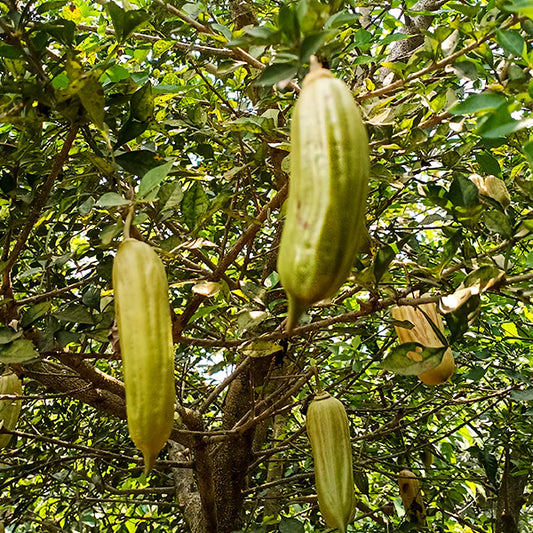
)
(145, 334)
(329, 433)
(329, 169)
(9, 409)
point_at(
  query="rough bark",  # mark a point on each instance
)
(187, 490)
(414, 26)
(232, 457)
(510, 496)
(274, 495)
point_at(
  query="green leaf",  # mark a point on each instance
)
(500, 123)
(9, 51)
(8, 335)
(489, 164)
(341, 18)
(142, 103)
(276, 73)
(125, 22)
(91, 297)
(522, 395)
(498, 222)
(18, 352)
(522, 7)
(511, 41)
(361, 481)
(112, 199)
(131, 129)
(383, 259)
(311, 44)
(34, 313)
(170, 195)
(464, 195)
(76, 314)
(463, 192)
(290, 525)
(51, 6)
(528, 152)
(91, 94)
(153, 178)
(60, 29)
(288, 23)
(478, 102)
(462, 318)
(484, 277)
(399, 362)
(138, 161)
(195, 203)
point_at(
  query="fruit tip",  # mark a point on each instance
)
(149, 462)
(296, 309)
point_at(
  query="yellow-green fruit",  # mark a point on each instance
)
(329, 169)
(329, 433)
(9, 409)
(423, 333)
(145, 334)
(412, 497)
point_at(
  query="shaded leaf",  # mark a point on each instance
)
(7, 335)
(276, 73)
(290, 525)
(460, 312)
(35, 312)
(195, 203)
(18, 351)
(138, 161)
(142, 103)
(76, 314)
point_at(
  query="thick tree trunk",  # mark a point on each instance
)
(402, 50)
(274, 495)
(187, 491)
(232, 457)
(510, 497)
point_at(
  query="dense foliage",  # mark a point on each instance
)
(182, 110)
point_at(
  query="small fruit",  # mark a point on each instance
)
(329, 433)
(145, 337)
(9, 409)
(324, 226)
(412, 497)
(423, 333)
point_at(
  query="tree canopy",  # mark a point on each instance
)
(180, 111)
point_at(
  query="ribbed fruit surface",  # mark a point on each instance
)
(145, 334)
(9, 409)
(324, 226)
(329, 433)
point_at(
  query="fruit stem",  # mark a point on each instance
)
(314, 64)
(317, 379)
(127, 223)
